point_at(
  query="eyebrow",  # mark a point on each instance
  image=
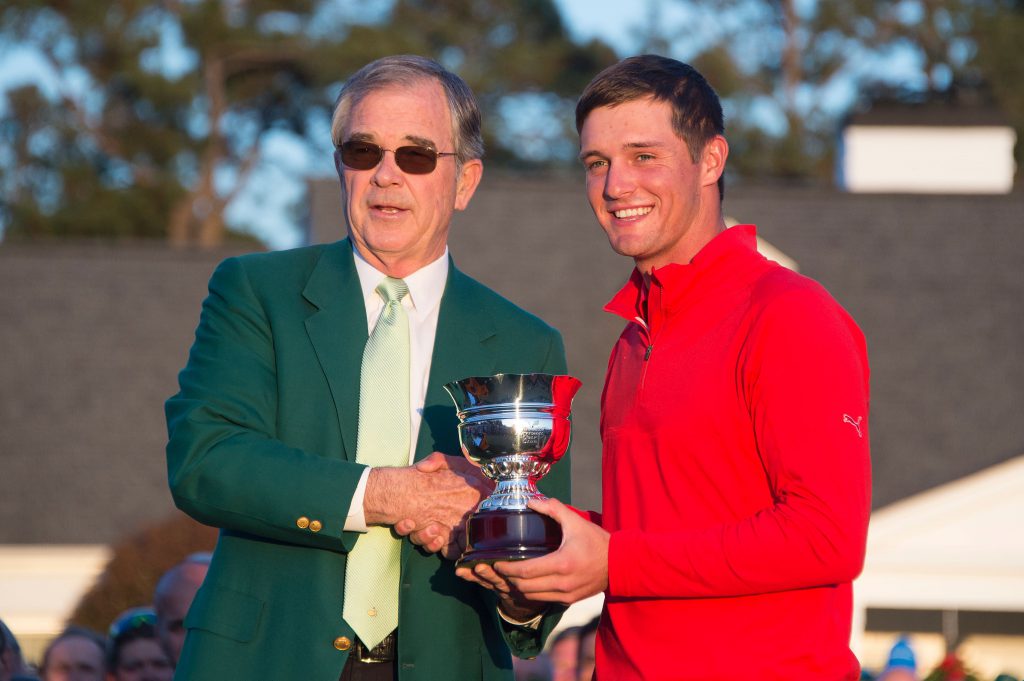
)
(422, 141)
(627, 145)
(366, 137)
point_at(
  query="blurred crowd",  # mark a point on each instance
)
(142, 643)
(902, 666)
(570, 657)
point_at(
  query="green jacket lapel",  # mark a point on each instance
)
(338, 332)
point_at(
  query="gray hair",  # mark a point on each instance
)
(406, 70)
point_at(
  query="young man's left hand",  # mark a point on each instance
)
(578, 569)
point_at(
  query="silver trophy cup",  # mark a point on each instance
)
(514, 427)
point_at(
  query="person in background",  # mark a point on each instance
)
(902, 663)
(75, 655)
(133, 650)
(172, 598)
(531, 668)
(585, 658)
(11, 662)
(563, 650)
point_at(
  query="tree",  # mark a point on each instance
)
(136, 565)
(785, 69)
(130, 147)
(159, 110)
(999, 36)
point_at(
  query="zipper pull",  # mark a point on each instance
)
(647, 332)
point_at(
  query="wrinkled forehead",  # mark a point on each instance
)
(414, 112)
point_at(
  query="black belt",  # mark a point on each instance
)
(382, 652)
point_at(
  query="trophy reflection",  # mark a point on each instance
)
(514, 427)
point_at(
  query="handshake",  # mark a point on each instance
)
(429, 502)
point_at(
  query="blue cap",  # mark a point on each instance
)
(902, 655)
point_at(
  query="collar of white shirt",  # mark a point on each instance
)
(426, 286)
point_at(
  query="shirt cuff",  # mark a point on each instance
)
(532, 623)
(355, 521)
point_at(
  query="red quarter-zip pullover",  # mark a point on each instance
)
(736, 474)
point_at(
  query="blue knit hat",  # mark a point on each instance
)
(902, 655)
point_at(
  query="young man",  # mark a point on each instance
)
(734, 419)
(313, 399)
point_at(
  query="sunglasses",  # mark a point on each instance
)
(414, 160)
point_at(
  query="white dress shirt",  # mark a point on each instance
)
(426, 286)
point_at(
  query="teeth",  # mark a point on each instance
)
(633, 212)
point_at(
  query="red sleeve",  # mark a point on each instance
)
(589, 516)
(805, 377)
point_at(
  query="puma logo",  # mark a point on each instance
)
(855, 423)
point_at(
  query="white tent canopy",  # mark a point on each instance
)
(959, 546)
(955, 547)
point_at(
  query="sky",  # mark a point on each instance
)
(613, 21)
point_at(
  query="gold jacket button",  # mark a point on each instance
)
(302, 522)
(342, 643)
(314, 526)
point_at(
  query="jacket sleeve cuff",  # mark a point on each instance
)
(624, 550)
(355, 519)
(525, 641)
(532, 623)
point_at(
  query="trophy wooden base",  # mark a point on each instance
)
(509, 535)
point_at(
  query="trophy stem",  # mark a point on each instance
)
(516, 477)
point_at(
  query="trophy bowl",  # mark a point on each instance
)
(514, 427)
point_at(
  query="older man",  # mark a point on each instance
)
(311, 403)
(172, 598)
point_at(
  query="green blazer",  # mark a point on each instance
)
(263, 444)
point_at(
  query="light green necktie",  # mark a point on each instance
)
(374, 564)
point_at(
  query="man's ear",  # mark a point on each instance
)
(716, 151)
(467, 182)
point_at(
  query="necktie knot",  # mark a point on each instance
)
(392, 290)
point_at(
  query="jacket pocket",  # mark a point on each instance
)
(232, 614)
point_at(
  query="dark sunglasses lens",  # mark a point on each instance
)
(416, 160)
(360, 155)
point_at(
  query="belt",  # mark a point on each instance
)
(382, 652)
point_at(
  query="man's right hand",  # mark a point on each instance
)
(429, 501)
